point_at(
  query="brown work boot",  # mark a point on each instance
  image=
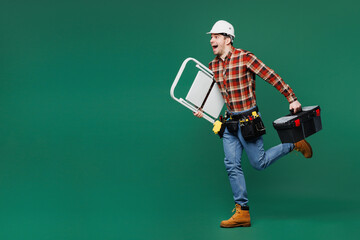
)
(241, 218)
(304, 147)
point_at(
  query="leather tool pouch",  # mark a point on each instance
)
(252, 129)
(232, 126)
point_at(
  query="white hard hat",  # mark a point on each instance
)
(222, 26)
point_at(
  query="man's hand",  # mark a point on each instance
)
(295, 106)
(199, 113)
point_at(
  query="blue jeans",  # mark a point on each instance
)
(234, 144)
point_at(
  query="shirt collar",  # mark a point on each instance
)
(228, 55)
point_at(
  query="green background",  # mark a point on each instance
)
(93, 147)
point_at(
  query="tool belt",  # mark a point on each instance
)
(250, 123)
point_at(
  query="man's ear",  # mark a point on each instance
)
(227, 40)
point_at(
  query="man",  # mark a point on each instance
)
(234, 72)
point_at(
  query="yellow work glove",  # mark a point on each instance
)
(217, 126)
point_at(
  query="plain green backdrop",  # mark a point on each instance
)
(93, 147)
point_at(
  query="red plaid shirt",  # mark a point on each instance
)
(235, 77)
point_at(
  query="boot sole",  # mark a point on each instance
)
(237, 225)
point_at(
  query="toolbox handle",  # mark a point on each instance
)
(292, 111)
(315, 113)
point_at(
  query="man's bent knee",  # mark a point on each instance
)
(258, 165)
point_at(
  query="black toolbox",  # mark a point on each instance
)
(295, 127)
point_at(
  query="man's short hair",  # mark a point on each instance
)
(229, 36)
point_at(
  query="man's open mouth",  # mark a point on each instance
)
(214, 47)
